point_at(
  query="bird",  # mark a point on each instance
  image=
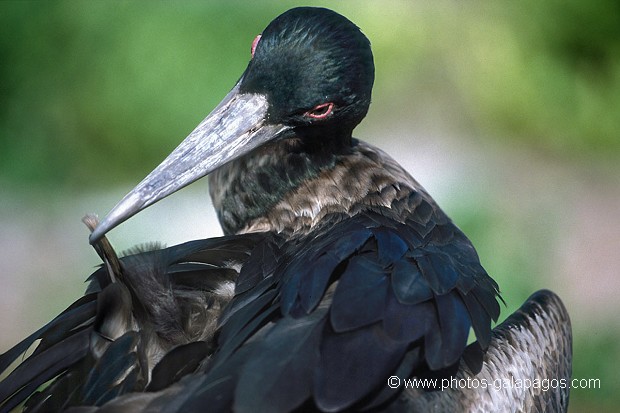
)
(337, 281)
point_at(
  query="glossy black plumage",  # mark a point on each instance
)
(534, 341)
(81, 334)
(334, 294)
(338, 269)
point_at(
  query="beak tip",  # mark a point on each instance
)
(234, 128)
(94, 237)
(99, 231)
(127, 207)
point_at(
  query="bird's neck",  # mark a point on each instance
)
(289, 191)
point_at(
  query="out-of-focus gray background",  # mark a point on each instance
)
(507, 112)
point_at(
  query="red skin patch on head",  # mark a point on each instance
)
(254, 44)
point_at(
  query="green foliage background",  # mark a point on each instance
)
(96, 93)
(82, 79)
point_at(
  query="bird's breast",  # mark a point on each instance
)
(252, 196)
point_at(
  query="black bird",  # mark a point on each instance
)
(337, 270)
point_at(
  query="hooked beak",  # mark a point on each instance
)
(235, 127)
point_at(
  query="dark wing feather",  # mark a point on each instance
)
(408, 322)
(408, 283)
(445, 345)
(75, 315)
(479, 317)
(260, 263)
(328, 316)
(244, 323)
(353, 364)
(391, 305)
(287, 352)
(177, 363)
(535, 341)
(309, 273)
(359, 299)
(87, 332)
(111, 371)
(40, 368)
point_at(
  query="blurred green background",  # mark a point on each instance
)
(507, 112)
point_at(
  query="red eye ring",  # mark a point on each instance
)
(321, 111)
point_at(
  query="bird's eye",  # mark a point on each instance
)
(254, 44)
(320, 111)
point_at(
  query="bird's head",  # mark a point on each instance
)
(310, 77)
(315, 68)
